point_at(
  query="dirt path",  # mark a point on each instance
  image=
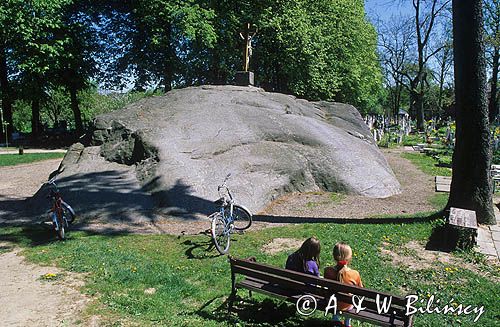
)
(28, 299)
(22, 181)
(416, 189)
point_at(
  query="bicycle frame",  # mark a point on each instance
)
(227, 200)
(228, 218)
(56, 209)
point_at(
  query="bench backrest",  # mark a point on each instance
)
(321, 288)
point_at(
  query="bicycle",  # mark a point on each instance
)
(61, 213)
(230, 216)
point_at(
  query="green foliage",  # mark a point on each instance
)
(93, 103)
(320, 50)
(56, 107)
(496, 157)
(21, 116)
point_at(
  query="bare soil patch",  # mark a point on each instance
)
(281, 244)
(414, 256)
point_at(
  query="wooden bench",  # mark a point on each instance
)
(290, 286)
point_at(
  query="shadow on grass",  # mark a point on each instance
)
(199, 249)
(203, 249)
(447, 238)
(322, 220)
(36, 235)
(251, 312)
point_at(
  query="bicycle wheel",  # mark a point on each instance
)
(61, 230)
(242, 217)
(221, 234)
(68, 212)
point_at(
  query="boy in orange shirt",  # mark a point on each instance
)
(342, 253)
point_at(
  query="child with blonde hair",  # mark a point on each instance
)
(342, 254)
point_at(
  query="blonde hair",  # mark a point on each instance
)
(342, 252)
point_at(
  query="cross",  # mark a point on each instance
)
(247, 35)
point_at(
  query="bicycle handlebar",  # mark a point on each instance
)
(226, 189)
(52, 182)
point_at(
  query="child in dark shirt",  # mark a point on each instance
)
(306, 259)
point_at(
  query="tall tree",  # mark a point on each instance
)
(76, 64)
(158, 37)
(471, 185)
(425, 21)
(319, 50)
(40, 51)
(492, 27)
(11, 22)
(444, 59)
(395, 41)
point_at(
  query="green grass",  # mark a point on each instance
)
(337, 197)
(16, 159)
(426, 164)
(413, 139)
(192, 282)
(439, 200)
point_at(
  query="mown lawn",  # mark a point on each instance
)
(192, 282)
(16, 159)
(426, 164)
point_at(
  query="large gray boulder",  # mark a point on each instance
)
(170, 152)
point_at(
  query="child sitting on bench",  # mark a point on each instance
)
(305, 259)
(342, 254)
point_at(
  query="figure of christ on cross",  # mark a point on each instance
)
(247, 35)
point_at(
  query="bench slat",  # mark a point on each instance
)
(368, 315)
(309, 279)
(319, 292)
(267, 285)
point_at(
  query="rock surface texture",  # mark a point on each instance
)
(169, 153)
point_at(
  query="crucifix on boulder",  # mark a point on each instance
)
(247, 35)
(245, 77)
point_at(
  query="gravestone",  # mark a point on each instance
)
(462, 218)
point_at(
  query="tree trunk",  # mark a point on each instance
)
(442, 72)
(416, 105)
(35, 118)
(493, 103)
(471, 184)
(76, 110)
(420, 108)
(6, 95)
(168, 72)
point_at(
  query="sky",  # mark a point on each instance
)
(384, 9)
